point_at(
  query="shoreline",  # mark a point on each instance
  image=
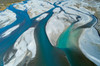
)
(5, 4)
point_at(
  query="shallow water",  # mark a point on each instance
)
(46, 54)
(68, 42)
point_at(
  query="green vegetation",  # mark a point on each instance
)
(5, 3)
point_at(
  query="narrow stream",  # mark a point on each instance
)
(67, 51)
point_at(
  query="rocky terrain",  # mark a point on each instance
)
(75, 19)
